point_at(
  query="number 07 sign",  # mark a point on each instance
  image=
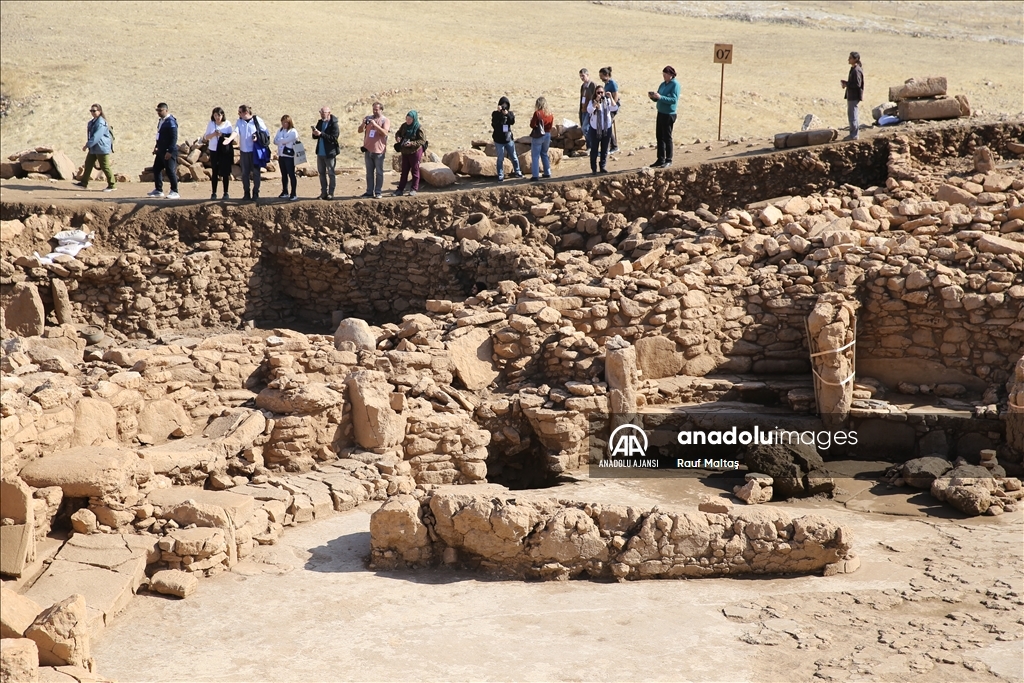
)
(723, 56)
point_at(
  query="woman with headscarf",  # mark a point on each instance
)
(612, 88)
(411, 142)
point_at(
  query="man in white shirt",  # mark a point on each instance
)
(245, 129)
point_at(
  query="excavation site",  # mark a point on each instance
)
(520, 432)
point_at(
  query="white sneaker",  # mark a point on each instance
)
(155, 193)
(174, 195)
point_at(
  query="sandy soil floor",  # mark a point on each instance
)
(935, 600)
(451, 62)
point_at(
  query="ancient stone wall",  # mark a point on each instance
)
(546, 538)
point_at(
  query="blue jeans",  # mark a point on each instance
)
(539, 150)
(598, 142)
(508, 148)
(853, 114)
(374, 173)
(159, 166)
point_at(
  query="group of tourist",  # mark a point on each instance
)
(599, 105)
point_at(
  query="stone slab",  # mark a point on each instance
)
(239, 508)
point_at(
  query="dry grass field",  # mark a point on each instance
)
(451, 61)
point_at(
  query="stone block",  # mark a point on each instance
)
(471, 356)
(19, 660)
(24, 314)
(174, 582)
(61, 633)
(16, 613)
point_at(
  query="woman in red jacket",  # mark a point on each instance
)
(540, 138)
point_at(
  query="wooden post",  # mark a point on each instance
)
(721, 96)
(723, 56)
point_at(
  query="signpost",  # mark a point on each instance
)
(723, 56)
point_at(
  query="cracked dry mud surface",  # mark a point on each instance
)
(935, 600)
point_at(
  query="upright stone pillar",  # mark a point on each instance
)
(621, 374)
(1015, 408)
(831, 328)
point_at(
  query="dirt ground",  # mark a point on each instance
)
(938, 598)
(451, 62)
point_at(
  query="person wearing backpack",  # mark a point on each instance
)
(99, 145)
(410, 142)
(165, 153)
(502, 120)
(612, 88)
(248, 129)
(540, 139)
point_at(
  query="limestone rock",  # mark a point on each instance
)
(24, 314)
(16, 613)
(476, 227)
(354, 334)
(63, 165)
(756, 490)
(174, 582)
(436, 175)
(83, 472)
(374, 421)
(161, 418)
(471, 357)
(19, 660)
(61, 302)
(396, 526)
(306, 399)
(932, 86)
(62, 634)
(95, 423)
(84, 521)
(658, 357)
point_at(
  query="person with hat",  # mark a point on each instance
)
(854, 85)
(666, 99)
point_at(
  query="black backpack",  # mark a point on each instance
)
(262, 133)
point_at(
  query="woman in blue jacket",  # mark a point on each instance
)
(100, 146)
(666, 99)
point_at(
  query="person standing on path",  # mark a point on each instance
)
(326, 133)
(612, 88)
(99, 145)
(502, 120)
(586, 97)
(410, 141)
(165, 153)
(220, 149)
(375, 130)
(600, 111)
(854, 85)
(666, 100)
(540, 139)
(245, 129)
(285, 140)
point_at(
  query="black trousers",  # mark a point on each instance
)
(664, 133)
(170, 165)
(220, 165)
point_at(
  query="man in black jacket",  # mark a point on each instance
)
(326, 132)
(165, 153)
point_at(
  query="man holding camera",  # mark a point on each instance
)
(326, 132)
(502, 120)
(375, 129)
(599, 112)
